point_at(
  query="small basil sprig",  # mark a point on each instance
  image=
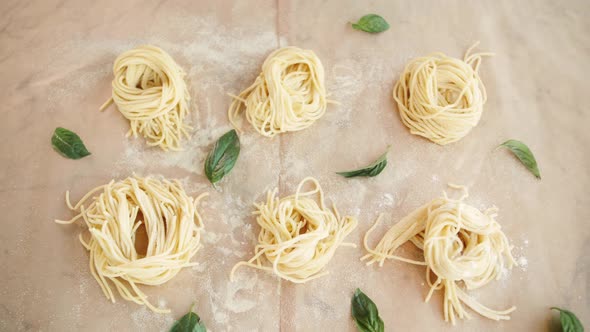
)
(524, 154)
(569, 321)
(68, 144)
(222, 157)
(372, 170)
(365, 313)
(371, 23)
(191, 322)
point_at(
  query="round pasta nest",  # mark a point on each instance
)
(460, 244)
(441, 98)
(150, 91)
(299, 234)
(113, 214)
(288, 95)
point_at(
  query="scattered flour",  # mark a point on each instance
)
(522, 262)
(218, 60)
(212, 238)
(230, 252)
(389, 199)
(505, 275)
(520, 258)
(194, 187)
(137, 155)
(161, 303)
(79, 80)
(200, 268)
(145, 319)
(346, 76)
(216, 70)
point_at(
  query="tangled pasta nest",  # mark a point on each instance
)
(150, 91)
(460, 244)
(299, 234)
(441, 98)
(113, 217)
(289, 94)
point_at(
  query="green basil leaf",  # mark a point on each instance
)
(569, 321)
(68, 144)
(372, 23)
(372, 170)
(524, 154)
(191, 322)
(222, 157)
(365, 313)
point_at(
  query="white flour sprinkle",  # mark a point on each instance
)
(389, 200)
(146, 319)
(522, 262)
(346, 77)
(217, 60)
(161, 303)
(505, 274)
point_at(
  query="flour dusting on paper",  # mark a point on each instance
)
(218, 60)
(145, 319)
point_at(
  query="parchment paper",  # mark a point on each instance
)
(56, 59)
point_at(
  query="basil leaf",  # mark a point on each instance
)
(222, 158)
(569, 321)
(365, 313)
(68, 144)
(372, 23)
(191, 322)
(524, 154)
(372, 170)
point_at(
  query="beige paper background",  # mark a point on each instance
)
(56, 58)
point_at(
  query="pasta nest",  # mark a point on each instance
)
(441, 98)
(150, 91)
(114, 213)
(461, 245)
(299, 234)
(288, 95)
